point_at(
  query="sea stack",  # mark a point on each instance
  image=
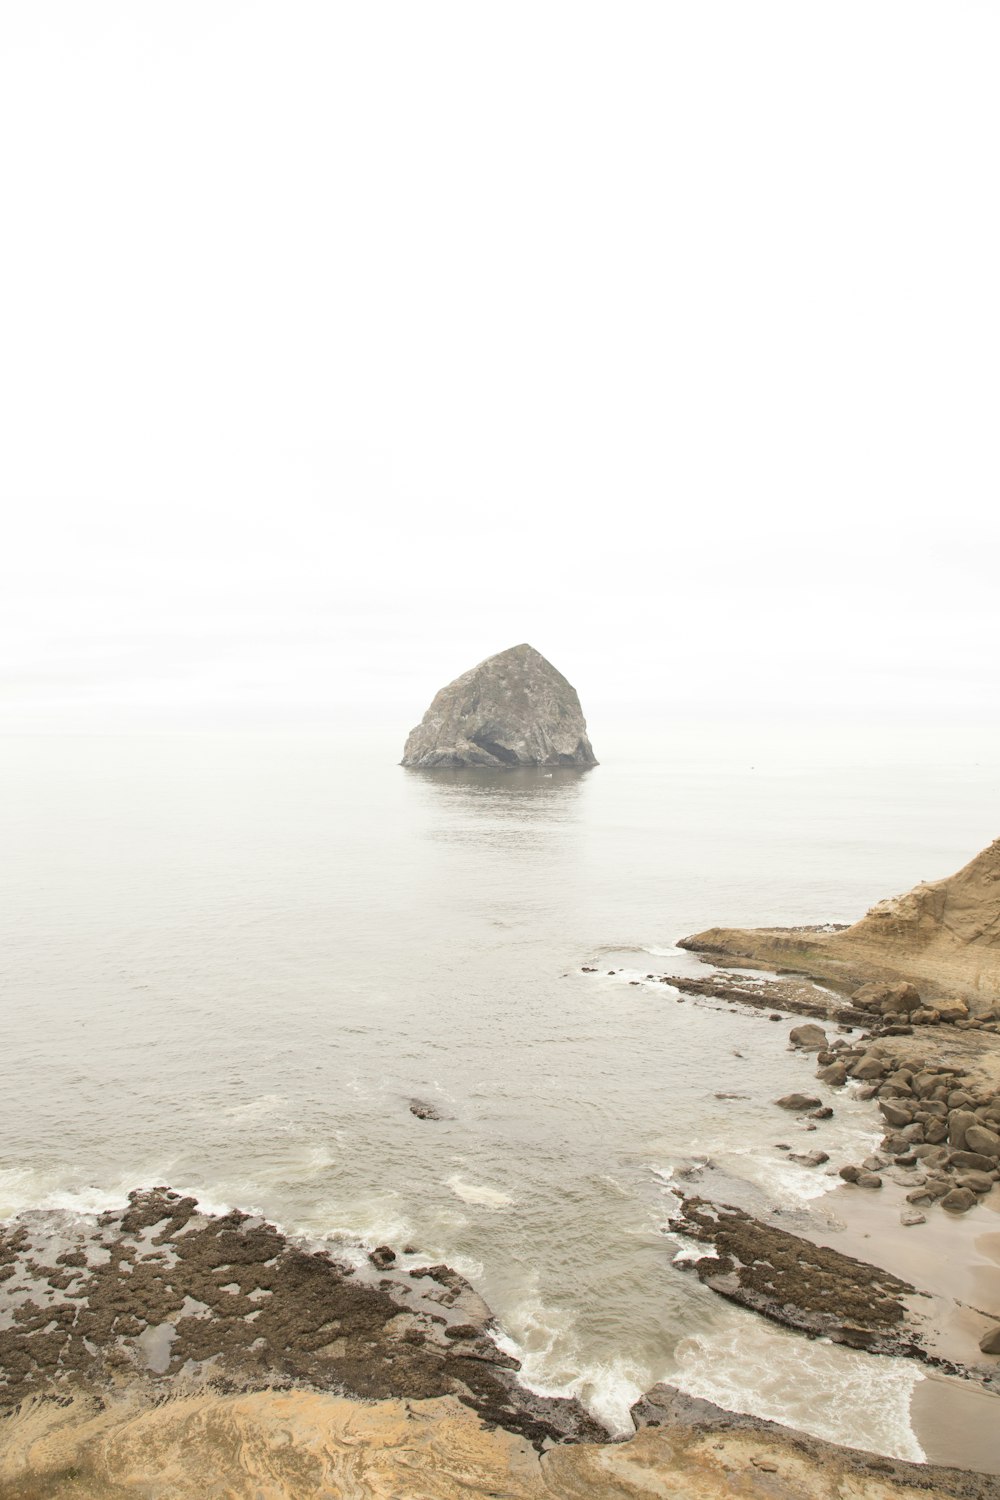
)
(513, 710)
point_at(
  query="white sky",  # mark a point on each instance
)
(345, 344)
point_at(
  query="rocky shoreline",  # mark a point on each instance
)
(161, 1293)
(159, 1349)
(934, 1075)
(166, 1351)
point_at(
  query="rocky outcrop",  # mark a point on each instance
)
(811, 1288)
(161, 1294)
(287, 1444)
(944, 936)
(513, 709)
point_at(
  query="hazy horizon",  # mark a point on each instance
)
(346, 346)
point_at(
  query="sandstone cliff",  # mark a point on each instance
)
(943, 936)
(513, 709)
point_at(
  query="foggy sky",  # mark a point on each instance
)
(346, 344)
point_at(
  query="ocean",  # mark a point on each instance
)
(233, 960)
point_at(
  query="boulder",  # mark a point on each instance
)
(976, 1182)
(898, 1145)
(810, 1038)
(895, 1114)
(513, 709)
(958, 1123)
(959, 1200)
(952, 1010)
(984, 1142)
(798, 1102)
(869, 1180)
(869, 1067)
(912, 1216)
(887, 999)
(835, 1074)
(973, 1160)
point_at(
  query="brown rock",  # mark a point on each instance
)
(958, 1201)
(809, 1038)
(958, 1122)
(798, 1102)
(895, 1114)
(835, 1074)
(971, 1159)
(977, 1182)
(870, 1066)
(984, 1142)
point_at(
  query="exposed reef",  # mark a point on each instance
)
(161, 1292)
(811, 1288)
(513, 709)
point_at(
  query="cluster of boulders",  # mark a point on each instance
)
(943, 1124)
(895, 1009)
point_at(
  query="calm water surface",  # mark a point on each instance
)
(231, 961)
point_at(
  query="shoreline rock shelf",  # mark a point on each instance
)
(942, 936)
(512, 710)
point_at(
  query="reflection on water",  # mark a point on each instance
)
(521, 808)
(508, 790)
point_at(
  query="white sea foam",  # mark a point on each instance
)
(825, 1389)
(542, 1338)
(478, 1193)
(24, 1189)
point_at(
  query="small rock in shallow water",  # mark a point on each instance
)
(912, 1216)
(798, 1102)
(423, 1110)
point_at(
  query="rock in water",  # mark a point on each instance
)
(512, 710)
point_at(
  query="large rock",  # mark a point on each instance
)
(512, 710)
(810, 1038)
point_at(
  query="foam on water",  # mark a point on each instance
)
(808, 1384)
(478, 1193)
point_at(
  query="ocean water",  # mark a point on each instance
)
(232, 960)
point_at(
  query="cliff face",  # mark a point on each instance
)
(943, 936)
(513, 709)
